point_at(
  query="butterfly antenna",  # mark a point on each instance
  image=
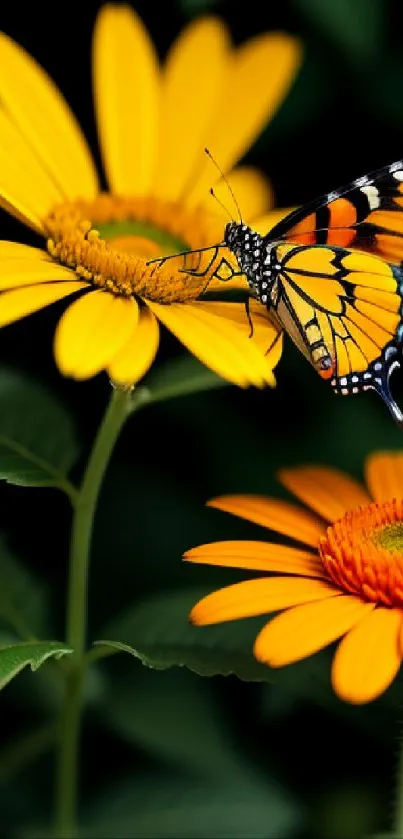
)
(221, 204)
(226, 181)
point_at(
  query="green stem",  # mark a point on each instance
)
(84, 511)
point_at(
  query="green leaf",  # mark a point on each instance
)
(180, 377)
(24, 600)
(162, 806)
(159, 633)
(14, 657)
(355, 26)
(37, 439)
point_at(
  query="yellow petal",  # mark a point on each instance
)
(258, 556)
(20, 302)
(258, 597)
(126, 91)
(304, 630)
(15, 250)
(265, 334)
(42, 116)
(327, 491)
(219, 343)
(136, 356)
(22, 175)
(384, 475)
(12, 201)
(368, 658)
(92, 331)
(189, 98)
(258, 80)
(19, 272)
(280, 516)
(264, 224)
(252, 190)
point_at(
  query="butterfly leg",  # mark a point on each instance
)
(248, 315)
(382, 387)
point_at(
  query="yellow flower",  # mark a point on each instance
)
(346, 581)
(153, 122)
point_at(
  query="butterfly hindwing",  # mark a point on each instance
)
(343, 309)
(366, 214)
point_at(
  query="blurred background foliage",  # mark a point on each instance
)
(171, 753)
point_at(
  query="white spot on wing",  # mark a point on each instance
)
(372, 194)
(398, 174)
(364, 181)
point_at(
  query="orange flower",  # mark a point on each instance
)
(346, 581)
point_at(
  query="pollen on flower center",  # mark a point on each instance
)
(363, 552)
(109, 240)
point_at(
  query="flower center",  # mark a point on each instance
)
(108, 242)
(363, 552)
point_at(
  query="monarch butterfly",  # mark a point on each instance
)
(331, 276)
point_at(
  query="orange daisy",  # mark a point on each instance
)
(153, 122)
(343, 580)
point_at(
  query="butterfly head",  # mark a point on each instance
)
(236, 236)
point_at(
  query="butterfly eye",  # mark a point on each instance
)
(228, 234)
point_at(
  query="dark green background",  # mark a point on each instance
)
(220, 756)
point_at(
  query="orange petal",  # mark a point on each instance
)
(368, 658)
(384, 475)
(188, 100)
(259, 556)
(327, 491)
(258, 597)
(20, 302)
(276, 515)
(136, 356)
(302, 631)
(92, 331)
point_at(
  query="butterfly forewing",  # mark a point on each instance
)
(366, 215)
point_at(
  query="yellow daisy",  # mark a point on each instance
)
(153, 123)
(345, 578)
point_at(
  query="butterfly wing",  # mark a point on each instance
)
(343, 309)
(366, 215)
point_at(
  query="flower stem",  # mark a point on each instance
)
(84, 511)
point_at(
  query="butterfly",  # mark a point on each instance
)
(330, 274)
